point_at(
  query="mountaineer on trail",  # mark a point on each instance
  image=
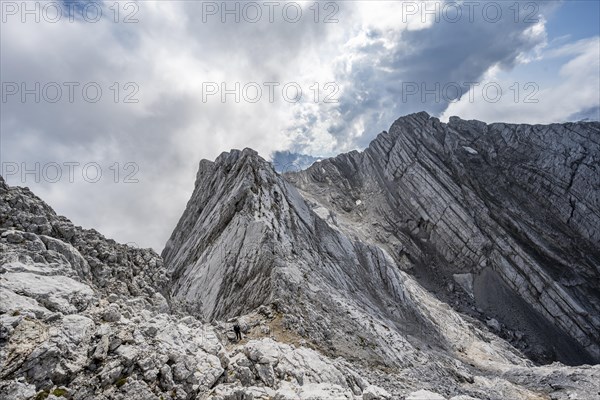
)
(237, 330)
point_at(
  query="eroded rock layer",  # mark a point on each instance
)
(508, 213)
(426, 267)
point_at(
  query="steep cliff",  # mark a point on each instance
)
(83, 317)
(247, 238)
(509, 212)
(444, 261)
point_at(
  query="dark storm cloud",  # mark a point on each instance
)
(452, 53)
(172, 50)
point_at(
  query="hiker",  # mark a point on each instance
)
(237, 330)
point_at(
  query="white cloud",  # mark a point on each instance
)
(171, 52)
(577, 90)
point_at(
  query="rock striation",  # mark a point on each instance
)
(446, 261)
(83, 317)
(516, 207)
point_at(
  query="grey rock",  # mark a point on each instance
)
(425, 395)
(112, 298)
(112, 313)
(14, 237)
(375, 393)
(361, 277)
(266, 374)
(494, 324)
(521, 213)
(166, 378)
(102, 348)
(16, 390)
(465, 281)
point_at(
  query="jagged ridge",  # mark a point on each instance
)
(321, 269)
(515, 206)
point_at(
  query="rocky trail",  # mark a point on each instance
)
(445, 261)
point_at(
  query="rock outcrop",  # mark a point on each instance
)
(83, 317)
(427, 266)
(515, 206)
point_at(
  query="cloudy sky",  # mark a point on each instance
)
(107, 108)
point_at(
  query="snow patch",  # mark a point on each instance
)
(470, 150)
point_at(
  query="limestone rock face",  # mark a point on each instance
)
(251, 240)
(83, 317)
(428, 266)
(516, 207)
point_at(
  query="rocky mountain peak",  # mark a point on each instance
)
(228, 234)
(496, 202)
(445, 261)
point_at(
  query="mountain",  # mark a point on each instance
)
(444, 261)
(512, 212)
(286, 161)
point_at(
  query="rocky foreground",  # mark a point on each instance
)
(446, 261)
